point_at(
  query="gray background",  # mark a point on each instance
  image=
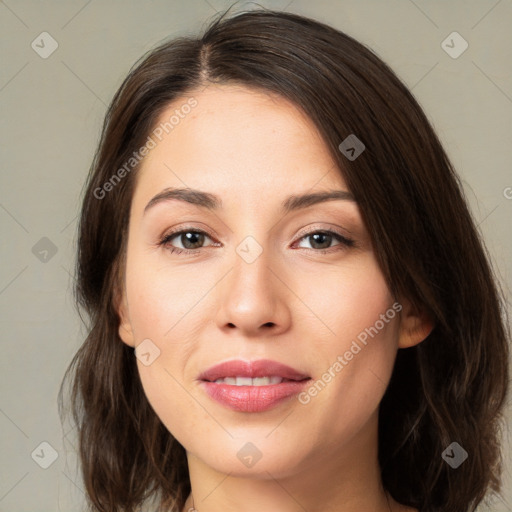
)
(51, 114)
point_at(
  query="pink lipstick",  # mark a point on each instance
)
(252, 386)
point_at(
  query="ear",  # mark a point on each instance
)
(125, 325)
(415, 325)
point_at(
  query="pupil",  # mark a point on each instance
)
(191, 237)
(322, 236)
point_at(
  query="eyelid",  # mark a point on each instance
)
(315, 228)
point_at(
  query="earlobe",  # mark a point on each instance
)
(126, 334)
(415, 326)
(125, 327)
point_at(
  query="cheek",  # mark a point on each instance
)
(366, 326)
(356, 356)
(166, 307)
(345, 299)
(162, 300)
(158, 311)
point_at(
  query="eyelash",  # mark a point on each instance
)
(164, 242)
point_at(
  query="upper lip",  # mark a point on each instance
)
(259, 368)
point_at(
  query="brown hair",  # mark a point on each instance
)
(451, 387)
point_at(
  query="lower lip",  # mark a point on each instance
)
(253, 398)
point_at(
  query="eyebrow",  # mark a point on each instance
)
(212, 202)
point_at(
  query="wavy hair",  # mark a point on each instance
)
(452, 387)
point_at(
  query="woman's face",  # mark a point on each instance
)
(260, 276)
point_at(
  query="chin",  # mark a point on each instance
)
(254, 455)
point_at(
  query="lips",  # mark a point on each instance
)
(253, 370)
(252, 386)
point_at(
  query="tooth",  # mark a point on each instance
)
(248, 381)
(261, 381)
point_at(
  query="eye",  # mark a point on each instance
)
(190, 239)
(321, 240)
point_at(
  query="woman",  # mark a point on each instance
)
(290, 306)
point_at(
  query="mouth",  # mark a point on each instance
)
(257, 381)
(262, 372)
(252, 386)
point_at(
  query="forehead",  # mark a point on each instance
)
(235, 138)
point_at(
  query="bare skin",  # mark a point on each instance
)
(292, 304)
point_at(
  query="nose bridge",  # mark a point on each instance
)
(252, 253)
(251, 275)
(251, 296)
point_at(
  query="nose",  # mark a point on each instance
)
(254, 299)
